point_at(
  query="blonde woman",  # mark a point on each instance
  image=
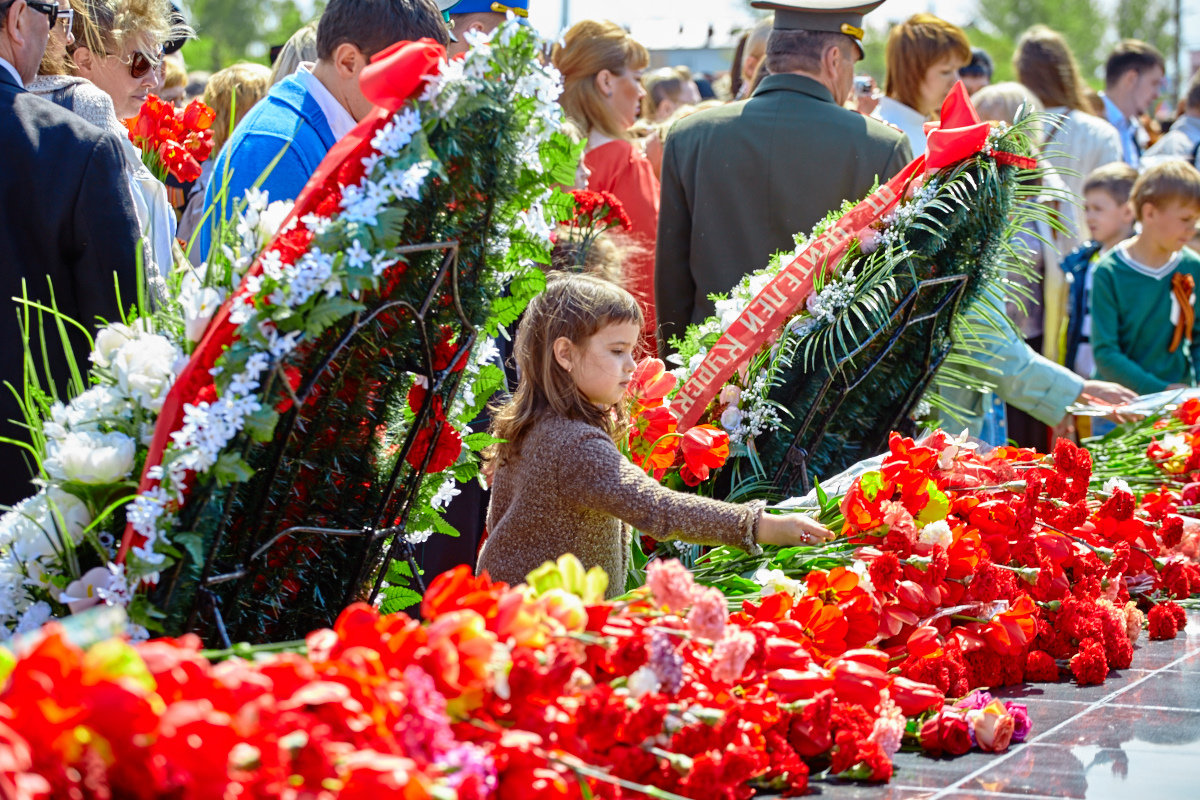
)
(602, 68)
(231, 93)
(118, 47)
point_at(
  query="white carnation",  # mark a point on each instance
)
(937, 533)
(1114, 485)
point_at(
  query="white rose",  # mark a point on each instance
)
(731, 417)
(92, 458)
(145, 370)
(34, 528)
(937, 533)
(109, 340)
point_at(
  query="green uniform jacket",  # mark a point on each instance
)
(739, 181)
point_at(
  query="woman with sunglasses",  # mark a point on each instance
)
(111, 60)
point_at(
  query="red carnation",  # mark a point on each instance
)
(1177, 611)
(1089, 665)
(1162, 623)
(885, 571)
(1040, 667)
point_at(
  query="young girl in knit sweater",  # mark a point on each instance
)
(560, 485)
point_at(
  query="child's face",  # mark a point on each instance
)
(1172, 226)
(1106, 218)
(602, 367)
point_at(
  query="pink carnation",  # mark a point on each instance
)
(670, 584)
(731, 654)
(709, 614)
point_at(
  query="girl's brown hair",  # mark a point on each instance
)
(1044, 64)
(577, 307)
(913, 47)
(588, 48)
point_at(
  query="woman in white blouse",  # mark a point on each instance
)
(924, 55)
(1081, 141)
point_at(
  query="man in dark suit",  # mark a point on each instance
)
(68, 216)
(739, 181)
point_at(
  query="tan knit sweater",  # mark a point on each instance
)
(568, 491)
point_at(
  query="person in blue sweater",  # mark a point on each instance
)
(1109, 218)
(305, 114)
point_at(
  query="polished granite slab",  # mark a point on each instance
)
(1136, 737)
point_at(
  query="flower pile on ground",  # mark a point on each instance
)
(541, 690)
(977, 570)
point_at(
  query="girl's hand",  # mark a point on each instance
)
(791, 529)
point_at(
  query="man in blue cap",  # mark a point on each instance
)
(482, 16)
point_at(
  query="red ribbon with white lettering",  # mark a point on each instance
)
(959, 135)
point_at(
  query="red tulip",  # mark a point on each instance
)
(198, 117)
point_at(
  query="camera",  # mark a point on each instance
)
(862, 84)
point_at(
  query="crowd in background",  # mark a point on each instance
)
(98, 60)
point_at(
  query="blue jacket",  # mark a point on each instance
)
(287, 120)
(1076, 265)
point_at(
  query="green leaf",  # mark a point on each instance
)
(261, 424)
(192, 542)
(329, 311)
(398, 572)
(445, 528)
(489, 381)
(231, 468)
(507, 310)
(398, 598)
(466, 471)
(478, 441)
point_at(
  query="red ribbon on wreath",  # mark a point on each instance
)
(958, 135)
(393, 77)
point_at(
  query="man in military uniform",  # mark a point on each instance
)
(740, 180)
(483, 16)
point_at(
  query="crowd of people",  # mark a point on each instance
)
(715, 173)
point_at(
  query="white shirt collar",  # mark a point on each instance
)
(339, 119)
(16, 75)
(907, 119)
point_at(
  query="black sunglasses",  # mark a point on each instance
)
(51, 10)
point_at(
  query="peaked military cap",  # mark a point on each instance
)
(518, 7)
(834, 16)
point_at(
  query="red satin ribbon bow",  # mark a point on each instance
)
(393, 77)
(958, 134)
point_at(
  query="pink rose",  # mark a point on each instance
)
(993, 727)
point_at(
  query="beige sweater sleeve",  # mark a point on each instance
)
(594, 474)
